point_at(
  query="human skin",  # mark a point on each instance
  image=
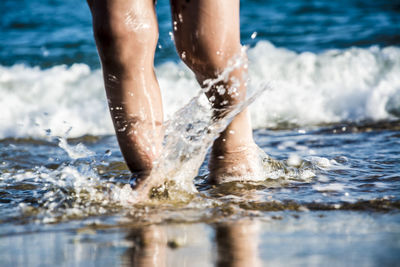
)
(126, 34)
(207, 37)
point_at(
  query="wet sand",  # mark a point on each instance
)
(308, 238)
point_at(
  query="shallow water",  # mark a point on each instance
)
(349, 167)
(329, 116)
(350, 205)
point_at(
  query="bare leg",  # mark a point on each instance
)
(126, 34)
(207, 36)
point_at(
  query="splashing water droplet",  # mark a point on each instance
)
(75, 152)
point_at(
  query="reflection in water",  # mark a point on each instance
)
(236, 245)
(149, 247)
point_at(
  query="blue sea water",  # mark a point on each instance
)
(329, 114)
(46, 33)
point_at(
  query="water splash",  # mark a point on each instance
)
(75, 152)
(191, 132)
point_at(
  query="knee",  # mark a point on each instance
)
(120, 41)
(122, 37)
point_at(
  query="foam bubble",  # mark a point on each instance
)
(329, 187)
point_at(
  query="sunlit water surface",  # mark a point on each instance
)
(62, 191)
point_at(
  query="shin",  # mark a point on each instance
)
(126, 34)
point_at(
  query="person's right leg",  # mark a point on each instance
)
(207, 37)
(126, 33)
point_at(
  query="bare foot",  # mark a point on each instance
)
(142, 183)
(245, 163)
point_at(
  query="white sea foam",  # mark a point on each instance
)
(37, 102)
(348, 85)
(334, 86)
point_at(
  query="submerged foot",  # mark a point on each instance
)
(245, 163)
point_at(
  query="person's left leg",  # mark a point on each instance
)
(207, 37)
(126, 33)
